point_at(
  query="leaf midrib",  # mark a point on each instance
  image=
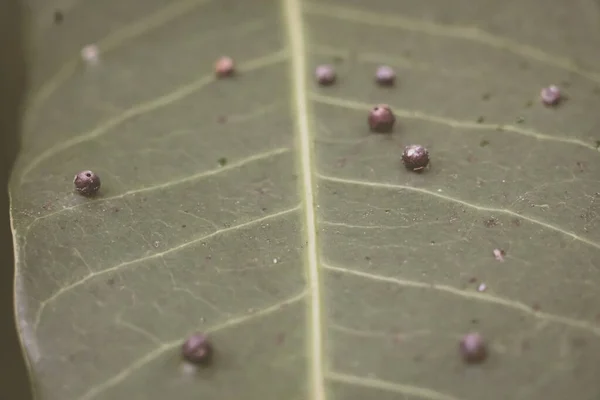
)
(293, 18)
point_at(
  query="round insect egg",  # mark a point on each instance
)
(385, 76)
(224, 67)
(381, 119)
(551, 95)
(325, 75)
(472, 348)
(87, 183)
(197, 349)
(415, 157)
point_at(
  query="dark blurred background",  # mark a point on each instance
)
(14, 383)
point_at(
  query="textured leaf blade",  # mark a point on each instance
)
(259, 209)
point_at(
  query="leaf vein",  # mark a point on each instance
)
(113, 41)
(470, 33)
(168, 346)
(381, 185)
(414, 114)
(293, 18)
(379, 227)
(146, 107)
(424, 393)
(204, 174)
(484, 297)
(142, 332)
(88, 277)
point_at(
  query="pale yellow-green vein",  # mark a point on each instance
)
(165, 185)
(455, 123)
(377, 334)
(113, 41)
(483, 297)
(292, 15)
(470, 33)
(81, 281)
(392, 186)
(172, 345)
(148, 106)
(400, 388)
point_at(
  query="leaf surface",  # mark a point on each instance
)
(259, 209)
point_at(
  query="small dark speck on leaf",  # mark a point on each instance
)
(222, 161)
(58, 17)
(580, 166)
(222, 119)
(500, 128)
(578, 342)
(480, 119)
(520, 120)
(516, 222)
(111, 281)
(486, 96)
(397, 337)
(536, 307)
(116, 209)
(474, 321)
(183, 226)
(264, 209)
(491, 222)
(529, 104)
(473, 280)
(280, 338)
(367, 258)
(484, 143)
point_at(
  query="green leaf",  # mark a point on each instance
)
(259, 209)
